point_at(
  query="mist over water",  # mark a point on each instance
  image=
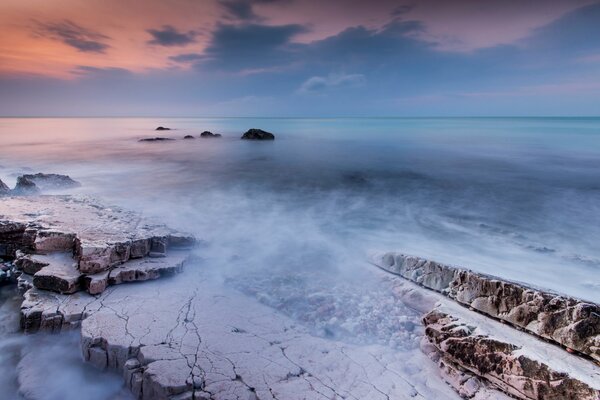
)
(291, 223)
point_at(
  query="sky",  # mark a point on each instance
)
(300, 58)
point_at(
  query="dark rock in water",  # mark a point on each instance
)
(52, 181)
(258, 134)
(188, 137)
(4, 190)
(208, 134)
(25, 187)
(162, 128)
(155, 139)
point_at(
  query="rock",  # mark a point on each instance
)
(155, 139)
(59, 275)
(162, 128)
(100, 237)
(570, 322)
(257, 134)
(51, 181)
(188, 137)
(136, 270)
(208, 134)
(517, 367)
(25, 187)
(4, 190)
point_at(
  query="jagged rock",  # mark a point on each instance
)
(208, 134)
(257, 134)
(162, 128)
(188, 137)
(4, 190)
(570, 322)
(25, 187)
(516, 367)
(51, 181)
(155, 139)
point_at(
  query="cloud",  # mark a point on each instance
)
(71, 34)
(251, 46)
(318, 84)
(169, 36)
(186, 57)
(243, 10)
(101, 73)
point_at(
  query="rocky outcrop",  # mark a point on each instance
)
(570, 322)
(257, 134)
(51, 181)
(511, 366)
(4, 190)
(162, 128)
(76, 244)
(208, 134)
(188, 137)
(25, 187)
(155, 139)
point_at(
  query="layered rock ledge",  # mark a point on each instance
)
(567, 321)
(67, 244)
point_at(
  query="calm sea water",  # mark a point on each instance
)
(516, 197)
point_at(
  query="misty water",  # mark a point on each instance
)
(291, 223)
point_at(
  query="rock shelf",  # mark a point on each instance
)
(474, 351)
(567, 321)
(70, 243)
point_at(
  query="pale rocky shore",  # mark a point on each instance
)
(185, 337)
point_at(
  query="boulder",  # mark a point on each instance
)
(25, 187)
(51, 181)
(188, 137)
(162, 128)
(257, 134)
(208, 134)
(155, 139)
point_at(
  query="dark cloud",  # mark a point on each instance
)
(169, 36)
(251, 46)
(243, 10)
(187, 57)
(71, 34)
(239, 9)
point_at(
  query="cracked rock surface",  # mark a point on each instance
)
(568, 321)
(170, 339)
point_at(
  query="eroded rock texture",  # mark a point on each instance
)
(514, 366)
(570, 322)
(69, 244)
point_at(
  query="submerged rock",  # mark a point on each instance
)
(257, 134)
(162, 128)
(188, 137)
(208, 134)
(155, 139)
(25, 187)
(51, 181)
